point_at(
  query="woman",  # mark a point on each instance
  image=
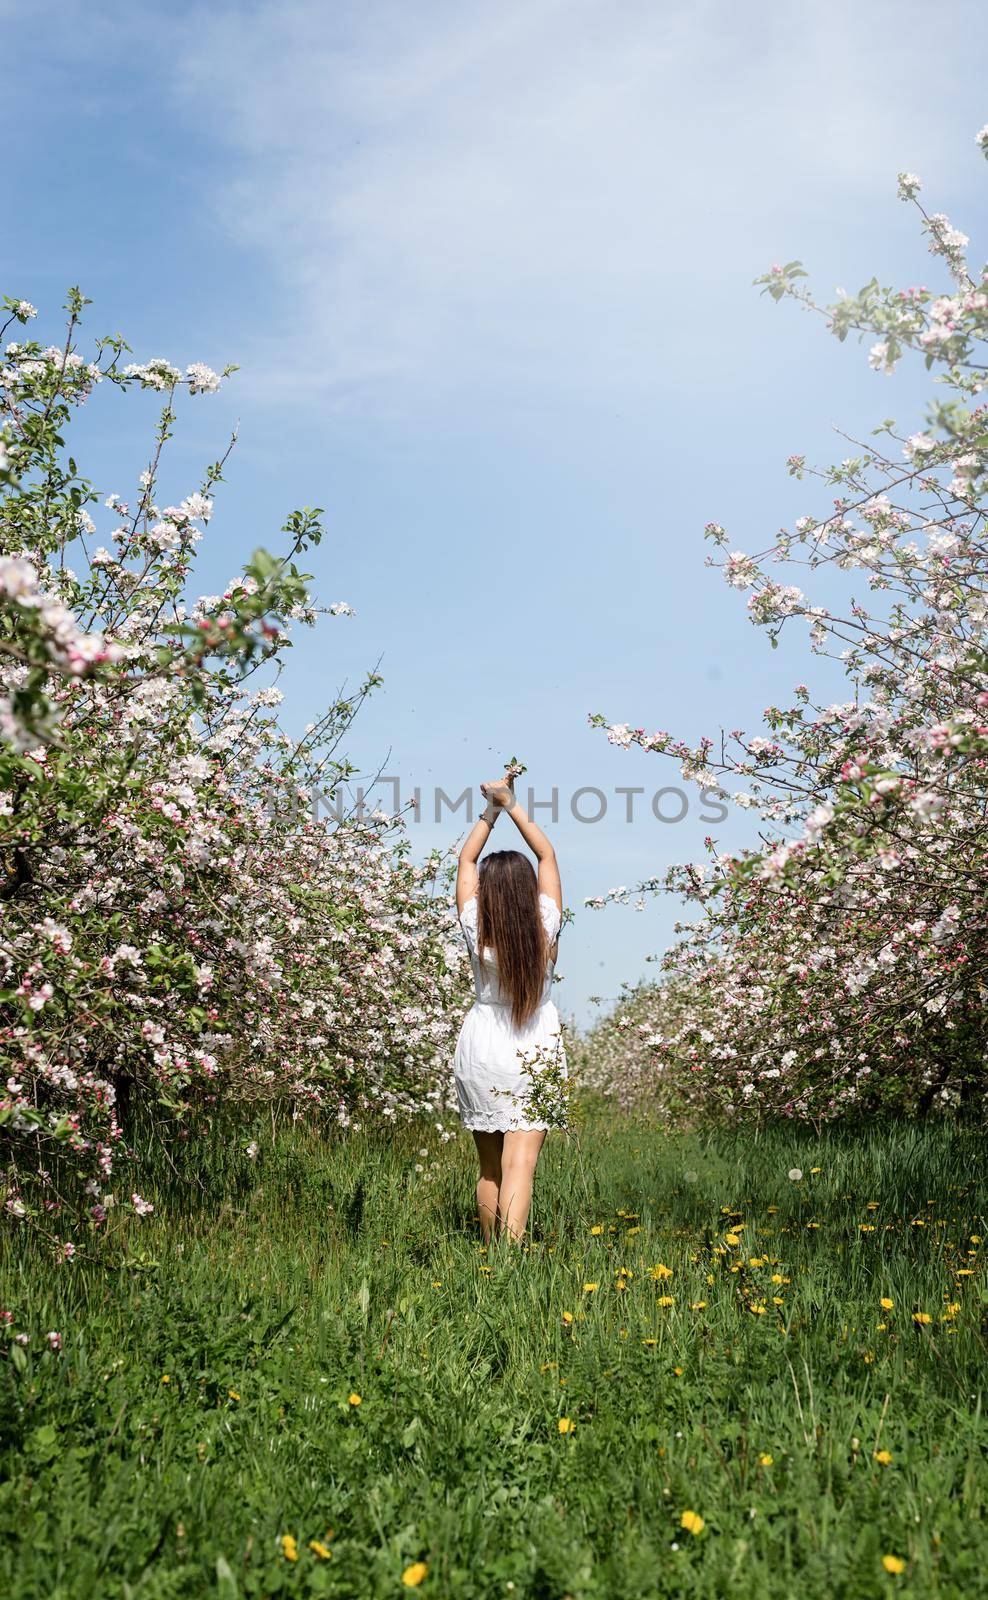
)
(511, 924)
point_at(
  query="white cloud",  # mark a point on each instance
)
(539, 194)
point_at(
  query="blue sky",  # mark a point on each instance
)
(487, 271)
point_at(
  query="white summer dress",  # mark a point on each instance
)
(492, 1087)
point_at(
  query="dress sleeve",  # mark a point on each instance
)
(468, 922)
(551, 918)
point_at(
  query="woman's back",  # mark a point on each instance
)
(486, 980)
(510, 1062)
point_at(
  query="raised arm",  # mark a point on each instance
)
(502, 793)
(467, 876)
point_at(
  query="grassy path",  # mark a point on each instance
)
(529, 1425)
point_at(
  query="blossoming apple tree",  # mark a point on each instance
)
(843, 966)
(180, 931)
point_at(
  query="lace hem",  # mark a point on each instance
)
(514, 1125)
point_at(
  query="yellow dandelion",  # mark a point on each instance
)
(758, 1311)
(355, 1400)
(650, 1341)
(415, 1574)
(566, 1425)
(885, 1303)
(233, 1394)
(660, 1271)
(692, 1522)
(588, 1288)
(677, 1372)
(883, 1457)
(765, 1459)
(567, 1317)
(289, 1547)
(699, 1305)
(893, 1564)
(922, 1317)
(596, 1229)
(321, 1550)
(732, 1239)
(666, 1300)
(777, 1277)
(165, 1378)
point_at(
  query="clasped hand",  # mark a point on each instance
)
(500, 792)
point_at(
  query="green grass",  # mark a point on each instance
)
(332, 1268)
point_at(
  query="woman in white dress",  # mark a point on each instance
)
(510, 920)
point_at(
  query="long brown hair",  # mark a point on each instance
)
(509, 923)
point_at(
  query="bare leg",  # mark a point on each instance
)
(489, 1182)
(518, 1161)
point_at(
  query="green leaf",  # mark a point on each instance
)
(262, 564)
